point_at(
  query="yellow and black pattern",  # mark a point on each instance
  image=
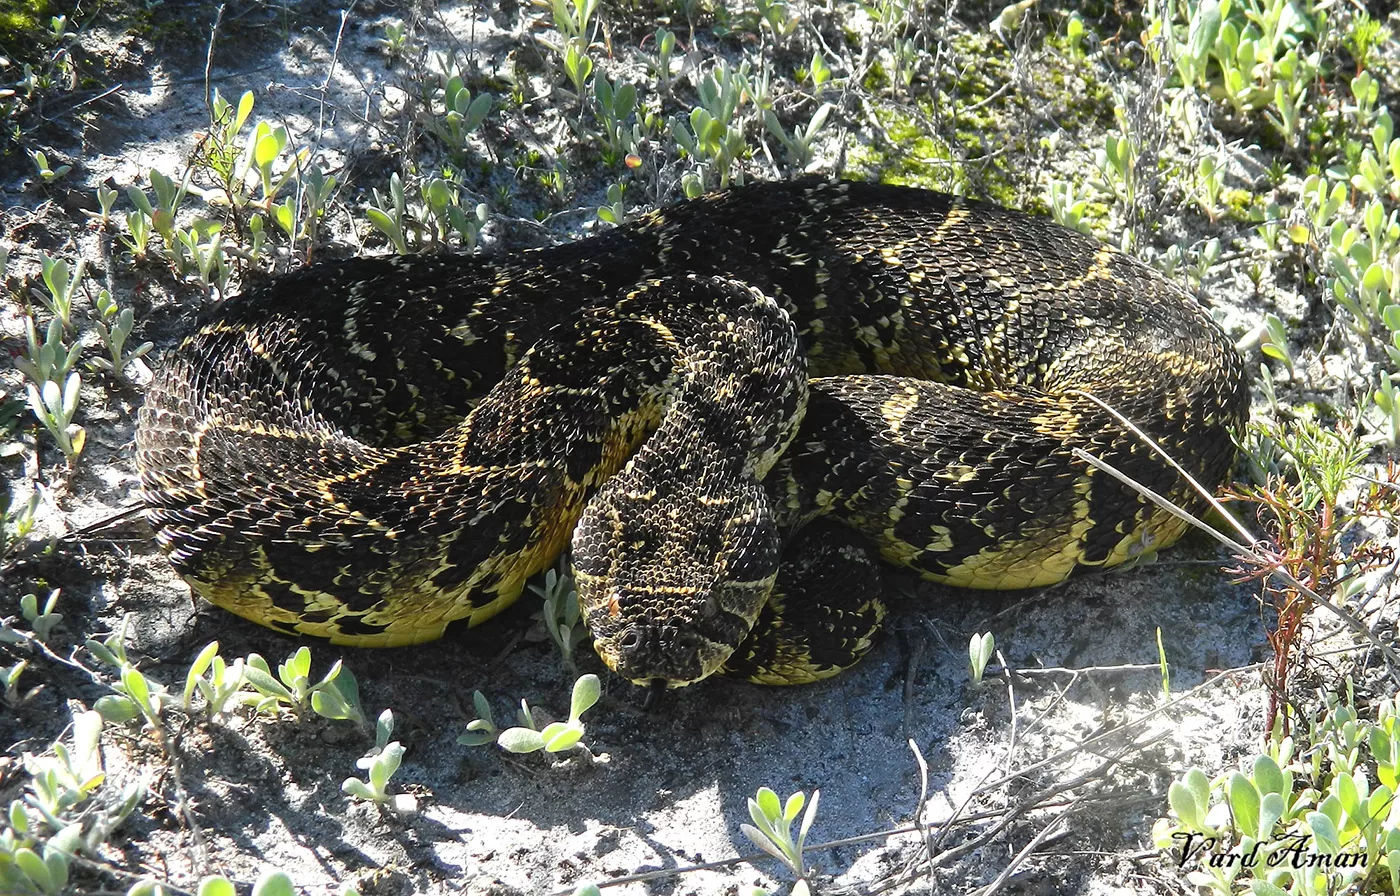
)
(369, 450)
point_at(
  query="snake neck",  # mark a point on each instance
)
(675, 556)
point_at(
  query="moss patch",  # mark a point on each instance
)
(909, 154)
(20, 21)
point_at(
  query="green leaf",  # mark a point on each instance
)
(520, 740)
(1347, 793)
(329, 705)
(34, 868)
(1200, 786)
(1374, 277)
(586, 692)
(383, 727)
(385, 765)
(561, 736)
(198, 668)
(245, 106)
(808, 817)
(216, 885)
(1271, 809)
(383, 222)
(1244, 804)
(1324, 833)
(793, 806)
(274, 883)
(767, 805)
(1204, 30)
(1391, 316)
(116, 709)
(763, 841)
(1183, 803)
(267, 144)
(1268, 777)
(262, 680)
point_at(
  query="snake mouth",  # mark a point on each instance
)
(661, 656)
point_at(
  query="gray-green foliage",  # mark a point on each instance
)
(114, 326)
(772, 832)
(1318, 797)
(381, 763)
(17, 517)
(335, 695)
(713, 134)
(453, 111)
(55, 405)
(529, 735)
(561, 614)
(224, 686)
(980, 650)
(69, 809)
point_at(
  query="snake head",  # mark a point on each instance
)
(671, 602)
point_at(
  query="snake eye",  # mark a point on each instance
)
(629, 640)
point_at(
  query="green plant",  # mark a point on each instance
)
(979, 652)
(1250, 53)
(561, 612)
(572, 17)
(136, 696)
(616, 105)
(389, 213)
(460, 114)
(577, 66)
(113, 328)
(47, 173)
(1275, 343)
(334, 696)
(799, 143)
(1210, 180)
(1387, 403)
(61, 285)
(68, 810)
(1165, 668)
(771, 830)
(17, 519)
(1067, 205)
(396, 40)
(529, 736)
(106, 199)
(776, 15)
(1301, 818)
(48, 361)
(55, 406)
(43, 621)
(1314, 548)
(381, 763)
(1118, 161)
(714, 138)
(661, 65)
(223, 683)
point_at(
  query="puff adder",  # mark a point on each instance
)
(721, 410)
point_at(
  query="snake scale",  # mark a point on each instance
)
(721, 410)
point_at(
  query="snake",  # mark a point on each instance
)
(730, 414)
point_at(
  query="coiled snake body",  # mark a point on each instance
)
(754, 387)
